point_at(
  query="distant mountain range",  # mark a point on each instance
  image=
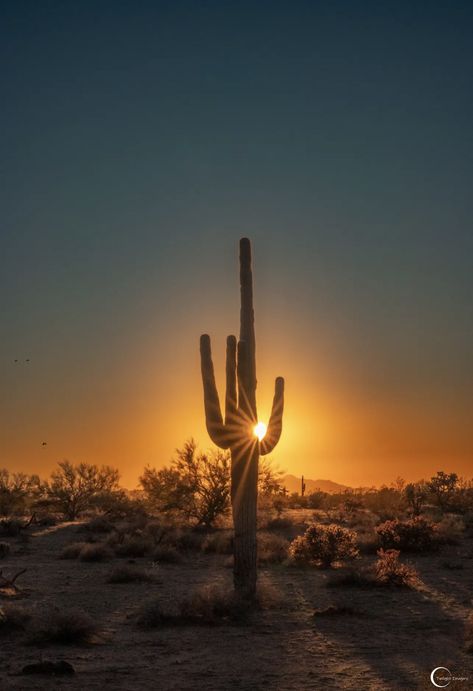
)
(293, 484)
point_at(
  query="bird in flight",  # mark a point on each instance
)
(44, 443)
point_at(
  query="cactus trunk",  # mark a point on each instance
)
(236, 432)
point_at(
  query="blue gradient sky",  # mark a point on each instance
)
(140, 140)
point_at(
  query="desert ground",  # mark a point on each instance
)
(305, 635)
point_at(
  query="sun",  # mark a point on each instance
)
(259, 430)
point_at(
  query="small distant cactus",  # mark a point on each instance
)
(236, 431)
(302, 486)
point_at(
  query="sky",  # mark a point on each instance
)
(140, 140)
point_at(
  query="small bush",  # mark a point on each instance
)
(73, 550)
(70, 627)
(134, 547)
(95, 552)
(13, 618)
(272, 548)
(220, 542)
(129, 574)
(321, 545)
(414, 535)
(389, 571)
(4, 550)
(210, 605)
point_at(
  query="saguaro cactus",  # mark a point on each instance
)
(237, 431)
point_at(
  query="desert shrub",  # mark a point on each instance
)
(74, 488)
(210, 605)
(414, 535)
(13, 618)
(73, 550)
(65, 627)
(17, 491)
(166, 554)
(4, 550)
(134, 546)
(389, 570)
(416, 495)
(272, 548)
(127, 573)
(443, 487)
(95, 552)
(196, 485)
(220, 542)
(450, 529)
(321, 545)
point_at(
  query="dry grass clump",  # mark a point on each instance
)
(95, 552)
(272, 548)
(13, 618)
(64, 627)
(211, 605)
(4, 550)
(73, 550)
(127, 573)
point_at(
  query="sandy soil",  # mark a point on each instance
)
(393, 639)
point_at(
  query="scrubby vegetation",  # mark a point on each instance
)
(414, 535)
(322, 545)
(64, 627)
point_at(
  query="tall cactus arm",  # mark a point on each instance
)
(231, 391)
(274, 430)
(213, 415)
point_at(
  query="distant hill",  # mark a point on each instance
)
(293, 484)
